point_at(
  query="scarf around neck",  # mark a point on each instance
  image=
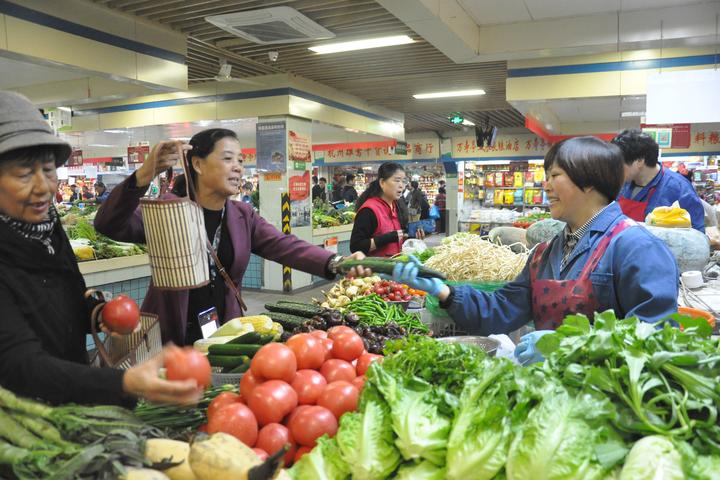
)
(40, 232)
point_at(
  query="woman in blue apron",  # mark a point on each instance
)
(602, 260)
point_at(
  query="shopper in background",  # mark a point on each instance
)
(415, 202)
(440, 203)
(86, 193)
(233, 228)
(602, 260)
(649, 185)
(45, 315)
(101, 192)
(247, 193)
(379, 223)
(337, 188)
(59, 192)
(349, 194)
(320, 189)
(75, 196)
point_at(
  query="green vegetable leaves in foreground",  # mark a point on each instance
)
(324, 462)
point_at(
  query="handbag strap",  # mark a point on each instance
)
(218, 264)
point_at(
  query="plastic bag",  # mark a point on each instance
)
(427, 225)
(669, 217)
(413, 246)
(434, 212)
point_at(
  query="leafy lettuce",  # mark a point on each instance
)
(324, 462)
(420, 471)
(653, 458)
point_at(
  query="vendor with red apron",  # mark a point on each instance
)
(649, 185)
(602, 260)
(378, 226)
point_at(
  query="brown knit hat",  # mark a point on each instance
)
(22, 125)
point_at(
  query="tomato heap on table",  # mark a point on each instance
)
(294, 393)
(392, 291)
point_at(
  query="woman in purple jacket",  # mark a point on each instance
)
(233, 228)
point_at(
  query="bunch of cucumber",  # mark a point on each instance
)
(235, 355)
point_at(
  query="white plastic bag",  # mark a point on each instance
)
(413, 246)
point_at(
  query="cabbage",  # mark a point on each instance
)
(366, 439)
(481, 434)
(556, 442)
(422, 432)
(420, 471)
(324, 462)
(653, 458)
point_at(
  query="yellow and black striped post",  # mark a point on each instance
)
(287, 271)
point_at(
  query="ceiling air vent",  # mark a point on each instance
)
(271, 25)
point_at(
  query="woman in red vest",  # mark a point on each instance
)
(378, 228)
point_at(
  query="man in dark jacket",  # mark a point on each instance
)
(349, 194)
(319, 190)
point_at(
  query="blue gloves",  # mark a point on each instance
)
(526, 351)
(407, 273)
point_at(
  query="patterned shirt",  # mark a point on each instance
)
(572, 238)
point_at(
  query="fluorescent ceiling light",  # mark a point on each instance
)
(362, 44)
(115, 131)
(632, 114)
(467, 123)
(453, 93)
(102, 145)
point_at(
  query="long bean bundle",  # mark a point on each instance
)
(374, 311)
(466, 257)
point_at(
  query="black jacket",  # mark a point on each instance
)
(44, 319)
(349, 194)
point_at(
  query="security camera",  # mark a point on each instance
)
(273, 56)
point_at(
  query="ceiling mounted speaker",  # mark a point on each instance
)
(271, 25)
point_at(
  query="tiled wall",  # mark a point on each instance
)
(136, 288)
(253, 277)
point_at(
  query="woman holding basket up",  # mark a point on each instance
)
(233, 229)
(45, 314)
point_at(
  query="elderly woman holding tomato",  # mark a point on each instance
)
(45, 312)
(233, 228)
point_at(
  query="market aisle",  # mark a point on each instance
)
(256, 299)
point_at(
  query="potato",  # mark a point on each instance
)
(221, 456)
(143, 474)
(161, 449)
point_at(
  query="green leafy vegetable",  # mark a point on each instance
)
(324, 462)
(420, 471)
(653, 458)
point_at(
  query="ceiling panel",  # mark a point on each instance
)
(542, 9)
(385, 77)
(490, 12)
(23, 74)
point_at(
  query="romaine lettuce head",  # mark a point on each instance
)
(481, 433)
(653, 458)
(420, 471)
(367, 441)
(555, 443)
(324, 462)
(421, 430)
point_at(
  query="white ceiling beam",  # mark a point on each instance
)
(446, 25)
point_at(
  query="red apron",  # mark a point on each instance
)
(634, 209)
(553, 300)
(387, 220)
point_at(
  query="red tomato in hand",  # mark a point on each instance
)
(359, 382)
(339, 397)
(334, 370)
(237, 420)
(319, 333)
(262, 454)
(301, 452)
(186, 364)
(335, 331)
(274, 361)
(271, 401)
(365, 360)
(248, 382)
(121, 315)
(308, 350)
(225, 398)
(328, 346)
(272, 437)
(312, 423)
(308, 384)
(348, 346)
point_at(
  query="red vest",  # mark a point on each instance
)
(387, 221)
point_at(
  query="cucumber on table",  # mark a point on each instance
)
(240, 369)
(233, 349)
(252, 338)
(289, 322)
(386, 266)
(300, 310)
(227, 361)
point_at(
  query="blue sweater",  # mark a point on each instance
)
(637, 275)
(669, 187)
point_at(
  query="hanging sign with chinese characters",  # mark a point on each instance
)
(521, 145)
(417, 149)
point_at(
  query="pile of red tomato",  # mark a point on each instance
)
(392, 291)
(295, 392)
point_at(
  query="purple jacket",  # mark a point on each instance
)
(120, 218)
